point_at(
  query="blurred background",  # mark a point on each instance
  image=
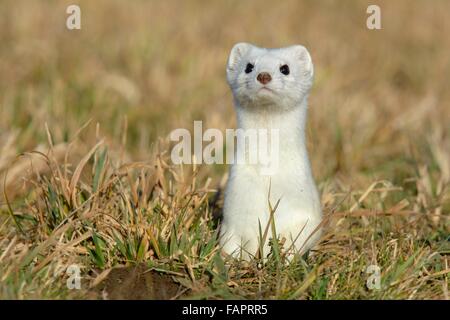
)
(380, 101)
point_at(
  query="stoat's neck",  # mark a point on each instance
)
(291, 124)
(291, 156)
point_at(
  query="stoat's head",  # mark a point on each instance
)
(259, 77)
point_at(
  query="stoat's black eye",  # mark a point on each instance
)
(249, 68)
(284, 69)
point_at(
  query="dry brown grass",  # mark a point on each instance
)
(379, 133)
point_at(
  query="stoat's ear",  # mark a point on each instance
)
(301, 54)
(239, 50)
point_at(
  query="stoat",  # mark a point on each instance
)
(270, 90)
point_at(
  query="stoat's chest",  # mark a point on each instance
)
(289, 175)
(290, 179)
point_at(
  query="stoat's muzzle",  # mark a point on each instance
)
(264, 78)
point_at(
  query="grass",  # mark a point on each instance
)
(85, 172)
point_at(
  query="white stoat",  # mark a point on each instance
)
(270, 89)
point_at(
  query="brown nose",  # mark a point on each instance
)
(264, 77)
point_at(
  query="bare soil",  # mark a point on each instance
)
(137, 283)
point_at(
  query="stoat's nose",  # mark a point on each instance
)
(264, 77)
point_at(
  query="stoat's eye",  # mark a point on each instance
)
(284, 69)
(249, 68)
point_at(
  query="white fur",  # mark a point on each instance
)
(285, 108)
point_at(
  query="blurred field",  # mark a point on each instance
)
(98, 105)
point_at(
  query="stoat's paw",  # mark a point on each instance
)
(234, 245)
(231, 248)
